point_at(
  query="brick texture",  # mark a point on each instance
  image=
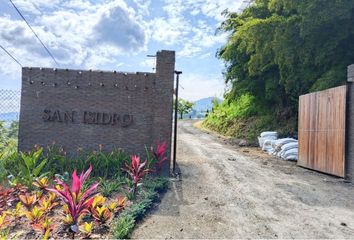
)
(144, 97)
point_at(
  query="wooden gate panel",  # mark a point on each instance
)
(322, 131)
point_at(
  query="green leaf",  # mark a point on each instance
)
(27, 160)
(36, 155)
(23, 170)
(39, 168)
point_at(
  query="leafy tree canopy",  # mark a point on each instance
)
(280, 49)
(184, 107)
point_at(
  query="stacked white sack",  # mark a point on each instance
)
(289, 151)
(267, 136)
(285, 148)
(291, 154)
(277, 144)
(268, 145)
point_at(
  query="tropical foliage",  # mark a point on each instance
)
(276, 51)
(136, 171)
(8, 135)
(76, 199)
(39, 192)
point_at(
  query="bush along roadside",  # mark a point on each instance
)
(244, 118)
(123, 226)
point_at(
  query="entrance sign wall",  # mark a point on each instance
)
(83, 109)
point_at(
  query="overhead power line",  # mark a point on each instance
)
(13, 58)
(24, 19)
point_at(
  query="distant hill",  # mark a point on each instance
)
(204, 104)
(200, 107)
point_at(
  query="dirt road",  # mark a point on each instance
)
(230, 192)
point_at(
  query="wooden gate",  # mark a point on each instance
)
(322, 130)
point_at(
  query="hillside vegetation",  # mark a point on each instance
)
(276, 51)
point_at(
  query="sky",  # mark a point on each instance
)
(117, 35)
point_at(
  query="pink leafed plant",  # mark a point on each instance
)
(77, 200)
(159, 154)
(136, 171)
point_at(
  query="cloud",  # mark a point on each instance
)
(36, 7)
(116, 26)
(149, 63)
(103, 34)
(20, 42)
(169, 31)
(197, 86)
(78, 33)
(195, 38)
(214, 8)
(143, 7)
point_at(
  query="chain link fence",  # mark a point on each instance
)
(9, 105)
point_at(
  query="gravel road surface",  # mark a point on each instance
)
(231, 192)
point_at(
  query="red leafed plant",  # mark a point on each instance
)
(5, 196)
(136, 171)
(159, 154)
(77, 200)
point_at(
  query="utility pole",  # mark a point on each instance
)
(175, 125)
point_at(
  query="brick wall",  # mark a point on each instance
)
(82, 109)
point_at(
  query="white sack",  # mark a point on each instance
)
(262, 139)
(293, 151)
(267, 145)
(269, 134)
(289, 146)
(291, 158)
(282, 141)
(279, 153)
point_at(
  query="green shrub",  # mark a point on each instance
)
(108, 187)
(107, 165)
(3, 135)
(57, 161)
(246, 118)
(9, 159)
(3, 172)
(158, 184)
(138, 210)
(12, 132)
(104, 165)
(123, 226)
(31, 166)
(8, 135)
(224, 114)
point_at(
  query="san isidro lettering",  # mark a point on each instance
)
(87, 117)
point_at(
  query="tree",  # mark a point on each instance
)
(276, 51)
(13, 130)
(280, 49)
(184, 107)
(8, 135)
